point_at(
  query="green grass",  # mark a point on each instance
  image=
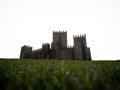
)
(59, 75)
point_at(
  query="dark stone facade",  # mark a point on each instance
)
(59, 49)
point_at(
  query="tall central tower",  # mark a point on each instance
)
(59, 42)
(60, 39)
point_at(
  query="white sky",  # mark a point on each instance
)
(31, 22)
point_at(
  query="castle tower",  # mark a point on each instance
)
(25, 52)
(78, 48)
(45, 51)
(59, 41)
(81, 50)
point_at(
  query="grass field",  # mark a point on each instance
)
(59, 75)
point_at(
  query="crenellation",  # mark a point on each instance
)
(59, 32)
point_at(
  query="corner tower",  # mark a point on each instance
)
(81, 51)
(78, 48)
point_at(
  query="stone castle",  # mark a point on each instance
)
(59, 49)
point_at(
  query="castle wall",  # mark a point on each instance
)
(36, 54)
(55, 53)
(66, 54)
(45, 51)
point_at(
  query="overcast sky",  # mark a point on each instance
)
(31, 22)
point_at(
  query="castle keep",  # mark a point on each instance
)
(59, 49)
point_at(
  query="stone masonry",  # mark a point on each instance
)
(59, 49)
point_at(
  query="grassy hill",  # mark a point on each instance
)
(59, 75)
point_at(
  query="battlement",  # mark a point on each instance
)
(60, 38)
(59, 32)
(79, 36)
(80, 40)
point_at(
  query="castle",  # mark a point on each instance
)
(59, 49)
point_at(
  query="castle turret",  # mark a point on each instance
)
(26, 52)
